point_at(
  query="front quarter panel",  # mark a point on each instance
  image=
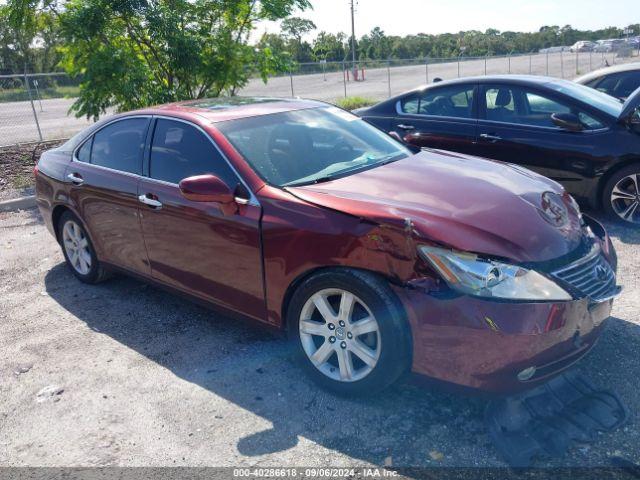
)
(299, 238)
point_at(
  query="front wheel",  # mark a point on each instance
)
(621, 194)
(351, 331)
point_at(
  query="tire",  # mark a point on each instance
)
(377, 358)
(621, 195)
(74, 239)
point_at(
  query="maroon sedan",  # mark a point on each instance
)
(377, 259)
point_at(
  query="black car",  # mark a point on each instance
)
(619, 81)
(584, 139)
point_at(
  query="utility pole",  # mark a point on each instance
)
(353, 38)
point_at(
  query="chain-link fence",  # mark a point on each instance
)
(380, 79)
(35, 107)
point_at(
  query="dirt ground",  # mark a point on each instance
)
(16, 167)
(124, 374)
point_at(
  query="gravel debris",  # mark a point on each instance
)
(48, 393)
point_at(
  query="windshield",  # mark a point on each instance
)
(310, 146)
(597, 99)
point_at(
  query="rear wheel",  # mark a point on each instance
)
(621, 195)
(78, 250)
(351, 332)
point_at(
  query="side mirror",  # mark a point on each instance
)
(567, 121)
(206, 188)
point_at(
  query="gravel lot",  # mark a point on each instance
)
(126, 374)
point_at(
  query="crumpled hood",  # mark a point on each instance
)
(463, 202)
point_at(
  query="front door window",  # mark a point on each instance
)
(522, 106)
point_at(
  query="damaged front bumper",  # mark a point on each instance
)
(504, 346)
(488, 345)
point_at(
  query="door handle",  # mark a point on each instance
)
(152, 202)
(491, 138)
(75, 178)
(402, 126)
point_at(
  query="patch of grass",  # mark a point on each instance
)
(21, 95)
(351, 103)
(22, 180)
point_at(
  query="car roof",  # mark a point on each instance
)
(625, 67)
(231, 108)
(523, 80)
(503, 79)
(513, 79)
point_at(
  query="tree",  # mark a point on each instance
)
(296, 28)
(293, 29)
(32, 47)
(11, 59)
(135, 53)
(329, 47)
(280, 52)
(375, 45)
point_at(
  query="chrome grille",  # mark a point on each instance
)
(591, 276)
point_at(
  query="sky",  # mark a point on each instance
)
(403, 17)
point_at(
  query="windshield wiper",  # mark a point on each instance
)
(323, 179)
(388, 160)
(384, 160)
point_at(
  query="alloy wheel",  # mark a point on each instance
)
(76, 246)
(340, 335)
(625, 198)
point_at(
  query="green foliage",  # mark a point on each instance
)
(135, 53)
(279, 51)
(21, 95)
(29, 45)
(376, 45)
(296, 28)
(328, 46)
(289, 47)
(351, 103)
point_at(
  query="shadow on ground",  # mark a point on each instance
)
(254, 370)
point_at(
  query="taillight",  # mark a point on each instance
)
(35, 170)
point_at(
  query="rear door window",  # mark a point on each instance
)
(452, 101)
(411, 105)
(179, 151)
(119, 146)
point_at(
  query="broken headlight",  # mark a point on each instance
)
(468, 273)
